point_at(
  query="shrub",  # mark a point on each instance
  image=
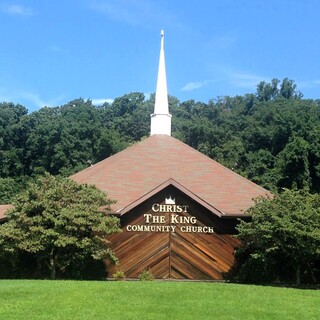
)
(119, 275)
(146, 275)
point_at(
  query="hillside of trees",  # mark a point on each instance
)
(272, 136)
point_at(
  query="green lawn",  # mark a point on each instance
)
(153, 300)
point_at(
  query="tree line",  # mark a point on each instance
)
(271, 137)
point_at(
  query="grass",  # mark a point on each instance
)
(31, 299)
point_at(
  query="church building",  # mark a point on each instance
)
(178, 208)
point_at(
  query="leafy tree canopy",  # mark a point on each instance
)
(8, 189)
(271, 91)
(58, 221)
(283, 235)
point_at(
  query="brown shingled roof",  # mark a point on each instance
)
(3, 210)
(134, 172)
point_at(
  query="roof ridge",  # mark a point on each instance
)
(164, 184)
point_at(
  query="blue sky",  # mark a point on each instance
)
(56, 51)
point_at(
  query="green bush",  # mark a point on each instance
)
(119, 275)
(146, 275)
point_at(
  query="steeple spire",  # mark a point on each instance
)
(161, 119)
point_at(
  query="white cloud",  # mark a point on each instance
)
(235, 80)
(36, 100)
(308, 84)
(4, 98)
(245, 80)
(30, 100)
(136, 12)
(194, 85)
(98, 102)
(223, 41)
(55, 49)
(116, 10)
(16, 10)
(236, 77)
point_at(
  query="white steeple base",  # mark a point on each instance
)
(160, 124)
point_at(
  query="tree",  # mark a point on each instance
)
(12, 139)
(59, 221)
(267, 91)
(130, 115)
(284, 233)
(293, 164)
(270, 91)
(8, 188)
(288, 89)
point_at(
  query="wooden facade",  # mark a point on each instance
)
(174, 249)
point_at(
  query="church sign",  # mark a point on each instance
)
(169, 217)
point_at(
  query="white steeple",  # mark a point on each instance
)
(161, 119)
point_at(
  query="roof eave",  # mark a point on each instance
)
(160, 187)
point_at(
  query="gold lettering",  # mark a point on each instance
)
(182, 219)
(210, 230)
(172, 228)
(193, 220)
(185, 207)
(174, 218)
(154, 219)
(186, 229)
(155, 207)
(147, 216)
